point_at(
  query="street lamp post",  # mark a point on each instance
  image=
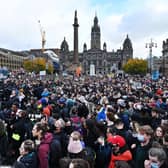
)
(150, 45)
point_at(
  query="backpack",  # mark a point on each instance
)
(55, 153)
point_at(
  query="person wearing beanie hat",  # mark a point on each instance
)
(117, 140)
(62, 108)
(120, 150)
(62, 100)
(76, 145)
(44, 101)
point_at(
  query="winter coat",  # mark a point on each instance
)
(27, 161)
(3, 145)
(63, 139)
(43, 150)
(125, 156)
(103, 155)
(155, 122)
(142, 155)
(101, 115)
(19, 127)
(63, 111)
(91, 133)
(3, 139)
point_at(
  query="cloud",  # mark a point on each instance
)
(142, 20)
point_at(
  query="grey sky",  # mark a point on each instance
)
(142, 20)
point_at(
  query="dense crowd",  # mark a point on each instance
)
(86, 122)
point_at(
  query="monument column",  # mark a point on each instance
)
(76, 25)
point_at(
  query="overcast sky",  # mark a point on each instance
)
(140, 19)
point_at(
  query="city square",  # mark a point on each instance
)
(102, 104)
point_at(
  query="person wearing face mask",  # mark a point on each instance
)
(157, 159)
(145, 142)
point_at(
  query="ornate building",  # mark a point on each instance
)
(165, 57)
(96, 59)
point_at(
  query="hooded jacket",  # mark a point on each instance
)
(43, 150)
(123, 156)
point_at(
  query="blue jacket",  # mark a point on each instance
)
(101, 115)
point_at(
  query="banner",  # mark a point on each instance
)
(155, 75)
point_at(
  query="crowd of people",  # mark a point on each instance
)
(86, 122)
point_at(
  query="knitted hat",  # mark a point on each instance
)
(62, 100)
(117, 140)
(75, 146)
(44, 101)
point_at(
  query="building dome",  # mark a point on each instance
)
(64, 45)
(127, 43)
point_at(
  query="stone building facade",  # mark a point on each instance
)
(101, 60)
(11, 60)
(164, 60)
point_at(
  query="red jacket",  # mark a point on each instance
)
(125, 156)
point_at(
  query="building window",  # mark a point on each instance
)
(100, 63)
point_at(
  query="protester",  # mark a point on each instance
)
(96, 107)
(144, 137)
(44, 138)
(157, 159)
(120, 150)
(18, 129)
(158, 135)
(28, 157)
(3, 142)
